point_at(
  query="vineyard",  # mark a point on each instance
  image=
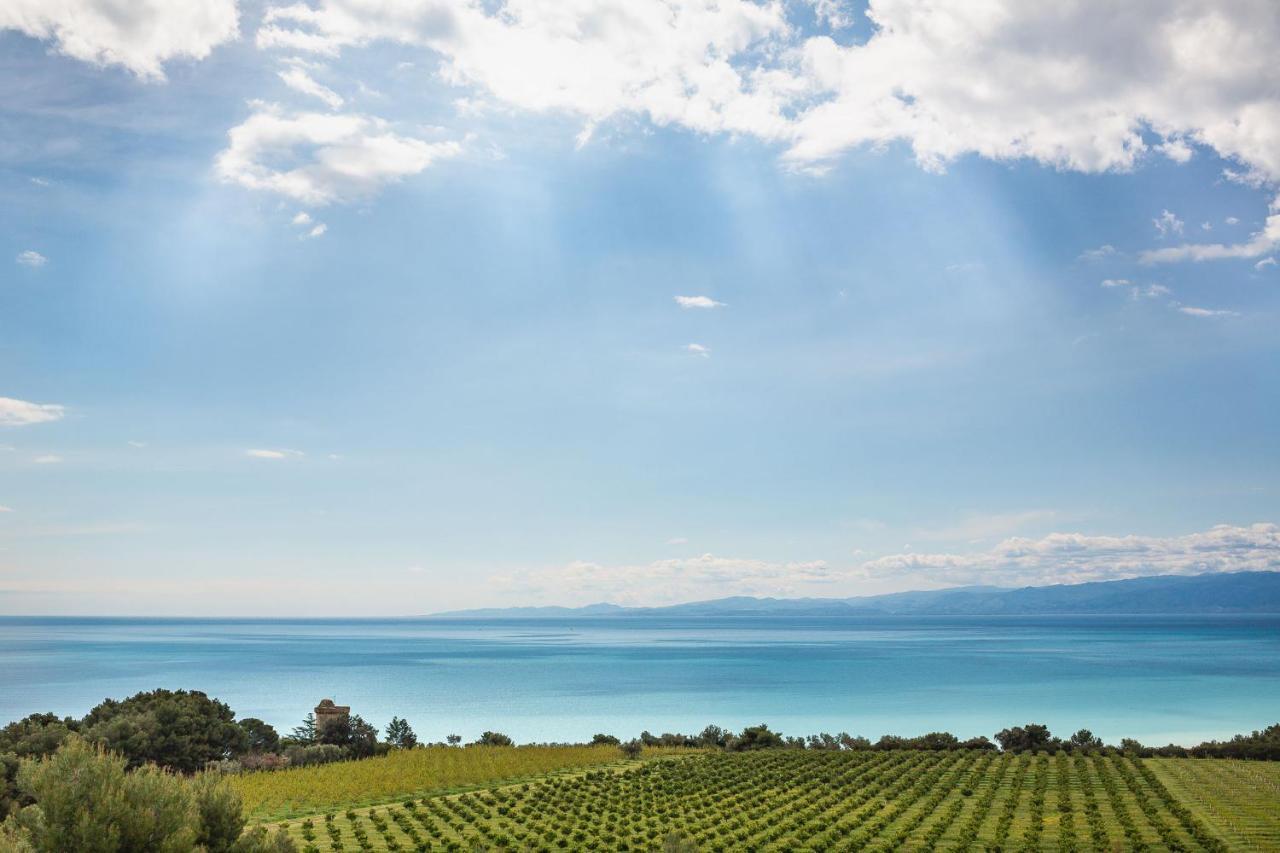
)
(430, 770)
(794, 800)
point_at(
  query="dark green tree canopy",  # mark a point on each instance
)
(180, 729)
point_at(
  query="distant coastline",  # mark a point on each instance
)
(1204, 594)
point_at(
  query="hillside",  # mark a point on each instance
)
(1239, 592)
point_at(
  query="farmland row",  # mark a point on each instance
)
(801, 801)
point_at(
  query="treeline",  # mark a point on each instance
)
(1261, 745)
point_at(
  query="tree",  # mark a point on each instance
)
(400, 734)
(632, 748)
(260, 737)
(604, 740)
(1084, 740)
(494, 739)
(1027, 738)
(453, 740)
(305, 734)
(178, 729)
(756, 737)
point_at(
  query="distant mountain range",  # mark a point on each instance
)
(1239, 592)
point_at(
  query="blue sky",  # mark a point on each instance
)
(322, 313)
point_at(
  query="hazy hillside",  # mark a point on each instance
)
(1241, 592)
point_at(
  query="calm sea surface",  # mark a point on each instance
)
(1159, 679)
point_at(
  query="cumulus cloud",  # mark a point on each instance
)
(1168, 223)
(670, 581)
(302, 218)
(1260, 243)
(22, 413)
(1082, 86)
(299, 80)
(676, 63)
(276, 453)
(140, 35)
(320, 158)
(698, 349)
(31, 258)
(1078, 557)
(698, 302)
(1265, 262)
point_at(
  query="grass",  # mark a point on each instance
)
(430, 770)
(821, 801)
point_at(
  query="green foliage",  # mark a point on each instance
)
(87, 800)
(755, 737)
(259, 737)
(305, 734)
(183, 730)
(400, 734)
(607, 740)
(1029, 738)
(802, 800)
(353, 734)
(494, 739)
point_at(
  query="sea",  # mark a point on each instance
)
(1160, 679)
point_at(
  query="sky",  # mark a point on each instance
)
(386, 307)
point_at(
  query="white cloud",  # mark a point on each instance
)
(1265, 262)
(21, 413)
(1168, 223)
(1231, 220)
(279, 453)
(1116, 282)
(317, 231)
(677, 63)
(47, 459)
(31, 258)
(1206, 226)
(1259, 243)
(1154, 291)
(669, 581)
(1089, 86)
(140, 35)
(1192, 311)
(698, 302)
(836, 14)
(299, 80)
(138, 445)
(1078, 557)
(302, 218)
(319, 158)
(678, 540)
(5, 508)
(1099, 254)
(698, 349)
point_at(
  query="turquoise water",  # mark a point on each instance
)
(1159, 679)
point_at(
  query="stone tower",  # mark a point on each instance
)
(328, 713)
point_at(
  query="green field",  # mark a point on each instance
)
(428, 770)
(792, 800)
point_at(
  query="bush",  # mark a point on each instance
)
(494, 739)
(321, 753)
(86, 799)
